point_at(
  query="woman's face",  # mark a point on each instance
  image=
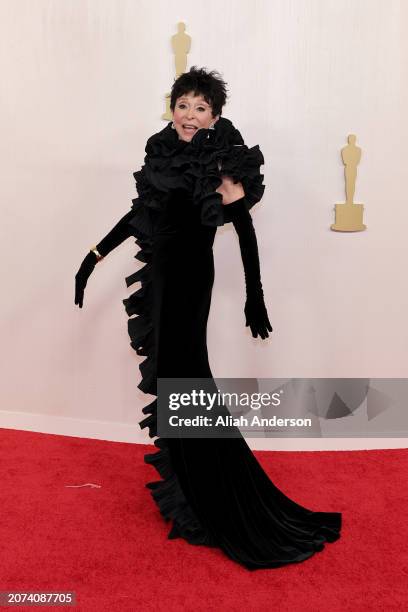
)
(192, 111)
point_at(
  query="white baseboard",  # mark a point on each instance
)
(131, 433)
(75, 427)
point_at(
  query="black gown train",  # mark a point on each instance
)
(214, 491)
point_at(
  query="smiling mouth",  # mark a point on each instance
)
(188, 128)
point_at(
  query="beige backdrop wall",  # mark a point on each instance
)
(82, 89)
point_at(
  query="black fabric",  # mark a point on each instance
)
(256, 315)
(194, 169)
(81, 277)
(117, 235)
(238, 214)
(214, 492)
(113, 239)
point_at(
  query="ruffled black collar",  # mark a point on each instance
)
(196, 167)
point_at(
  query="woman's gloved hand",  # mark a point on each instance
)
(114, 238)
(256, 315)
(81, 277)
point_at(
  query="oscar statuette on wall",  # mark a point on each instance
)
(349, 216)
(181, 43)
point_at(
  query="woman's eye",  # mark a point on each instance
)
(201, 108)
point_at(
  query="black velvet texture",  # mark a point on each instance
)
(117, 235)
(213, 491)
(195, 168)
(114, 238)
(256, 315)
(81, 277)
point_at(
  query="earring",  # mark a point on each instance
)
(211, 127)
(172, 126)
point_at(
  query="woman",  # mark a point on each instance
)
(198, 174)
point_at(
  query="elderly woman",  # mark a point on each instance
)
(199, 174)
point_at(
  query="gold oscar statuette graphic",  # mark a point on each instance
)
(181, 43)
(349, 216)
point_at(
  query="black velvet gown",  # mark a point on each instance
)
(214, 491)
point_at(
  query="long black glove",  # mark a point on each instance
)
(256, 315)
(114, 238)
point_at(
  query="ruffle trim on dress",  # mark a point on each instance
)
(167, 492)
(196, 167)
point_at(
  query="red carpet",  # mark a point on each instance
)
(109, 544)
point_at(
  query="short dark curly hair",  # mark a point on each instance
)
(202, 83)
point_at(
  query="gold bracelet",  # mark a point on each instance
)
(97, 253)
